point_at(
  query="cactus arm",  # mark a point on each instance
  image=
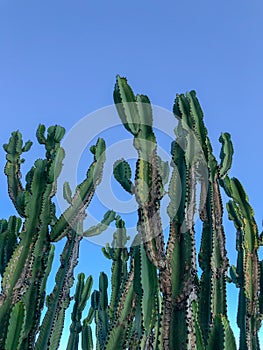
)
(86, 334)
(124, 315)
(122, 173)
(248, 268)
(226, 154)
(82, 294)
(221, 336)
(119, 255)
(99, 310)
(86, 337)
(179, 289)
(14, 150)
(58, 300)
(9, 232)
(212, 259)
(137, 119)
(67, 193)
(197, 329)
(125, 103)
(261, 289)
(109, 216)
(83, 194)
(16, 325)
(16, 280)
(149, 305)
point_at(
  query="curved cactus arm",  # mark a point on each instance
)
(221, 336)
(122, 173)
(14, 150)
(109, 216)
(16, 325)
(9, 232)
(226, 154)
(83, 194)
(81, 297)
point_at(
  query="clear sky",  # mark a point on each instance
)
(59, 60)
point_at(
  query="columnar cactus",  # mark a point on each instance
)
(246, 274)
(26, 256)
(155, 297)
(183, 296)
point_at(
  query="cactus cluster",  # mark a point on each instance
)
(162, 293)
(27, 242)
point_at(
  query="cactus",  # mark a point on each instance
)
(136, 115)
(26, 255)
(188, 306)
(82, 294)
(246, 274)
(154, 298)
(24, 277)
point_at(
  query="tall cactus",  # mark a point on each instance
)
(155, 298)
(25, 274)
(177, 265)
(136, 115)
(246, 274)
(26, 256)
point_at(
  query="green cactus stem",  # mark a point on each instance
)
(25, 274)
(246, 274)
(82, 294)
(136, 115)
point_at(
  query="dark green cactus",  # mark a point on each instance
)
(9, 233)
(246, 274)
(192, 159)
(25, 275)
(26, 256)
(82, 294)
(154, 298)
(136, 115)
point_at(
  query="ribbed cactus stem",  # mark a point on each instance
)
(246, 275)
(136, 114)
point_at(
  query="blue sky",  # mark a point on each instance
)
(59, 60)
